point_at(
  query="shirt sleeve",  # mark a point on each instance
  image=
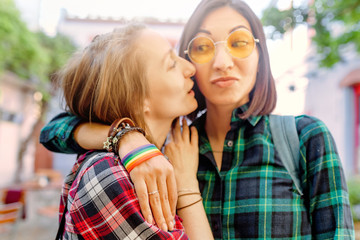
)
(327, 195)
(57, 135)
(105, 205)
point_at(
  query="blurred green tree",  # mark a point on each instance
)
(336, 22)
(33, 57)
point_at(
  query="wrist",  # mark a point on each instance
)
(188, 186)
(131, 141)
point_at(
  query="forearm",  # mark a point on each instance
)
(191, 210)
(91, 135)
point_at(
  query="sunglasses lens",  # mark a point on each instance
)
(201, 50)
(240, 43)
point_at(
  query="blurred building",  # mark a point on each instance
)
(332, 95)
(18, 113)
(82, 30)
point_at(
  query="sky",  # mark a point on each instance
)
(161, 9)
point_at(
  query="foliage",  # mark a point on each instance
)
(354, 196)
(20, 52)
(31, 56)
(284, 20)
(336, 22)
(58, 49)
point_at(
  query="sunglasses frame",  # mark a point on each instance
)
(256, 40)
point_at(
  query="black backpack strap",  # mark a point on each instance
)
(286, 142)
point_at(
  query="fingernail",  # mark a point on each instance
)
(164, 227)
(171, 225)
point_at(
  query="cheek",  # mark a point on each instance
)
(201, 75)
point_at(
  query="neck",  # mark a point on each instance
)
(218, 120)
(159, 130)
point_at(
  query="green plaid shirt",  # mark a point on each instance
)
(252, 196)
(57, 135)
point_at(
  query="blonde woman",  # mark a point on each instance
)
(131, 71)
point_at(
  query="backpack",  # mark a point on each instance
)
(286, 142)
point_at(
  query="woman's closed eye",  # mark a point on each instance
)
(173, 65)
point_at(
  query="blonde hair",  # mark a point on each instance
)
(107, 79)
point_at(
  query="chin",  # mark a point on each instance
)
(194, 107)
(190, 109)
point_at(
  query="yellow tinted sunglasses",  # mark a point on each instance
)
(240, 44)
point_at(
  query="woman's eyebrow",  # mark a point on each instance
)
(231, 30)
(204, 31)
(238, 27)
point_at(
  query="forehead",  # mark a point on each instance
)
(153, 43)
(223, 20)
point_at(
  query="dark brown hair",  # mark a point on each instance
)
(107, 79)
(263, 95)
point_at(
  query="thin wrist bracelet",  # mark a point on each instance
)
(186, 191)
(190, 204)
(189, 193)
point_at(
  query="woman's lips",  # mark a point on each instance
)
(224, 81)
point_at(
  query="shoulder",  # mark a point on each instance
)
(101, 173)
(309, 126)
(315, 138)
(101, 165)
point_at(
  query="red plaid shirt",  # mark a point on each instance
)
(102, 203)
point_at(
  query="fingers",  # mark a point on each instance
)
(157, 200)
(172, 193)
(185, 130)
(166, 211)
(141, 192)
(177, 132)
(194, 136)
(155, 204)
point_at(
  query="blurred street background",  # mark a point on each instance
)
(314, 48)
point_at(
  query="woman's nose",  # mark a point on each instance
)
(223, 61)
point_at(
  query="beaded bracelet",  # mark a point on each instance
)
(119, 124)
(139, 155)
(117, 127)
(121, 133)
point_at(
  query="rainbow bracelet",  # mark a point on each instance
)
(139, 155)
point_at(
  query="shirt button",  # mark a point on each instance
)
(230, 143)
